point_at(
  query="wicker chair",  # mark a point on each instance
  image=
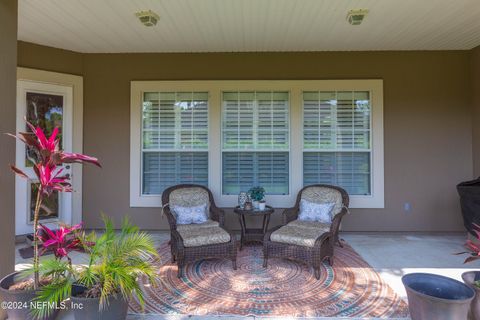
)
(311, 242)
(194, 242)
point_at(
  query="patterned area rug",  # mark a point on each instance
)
(351, 288)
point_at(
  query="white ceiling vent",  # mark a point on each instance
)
(355, 17)
(148, 18)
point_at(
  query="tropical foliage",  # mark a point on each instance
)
(257, 193)
(61, 241)
(50, 174)
(117, 259)
(474, 253)
(59, 273)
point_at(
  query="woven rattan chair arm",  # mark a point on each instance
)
(178, 238)
(336, 222)
(322, 238)
(217, 214)
(290, 214)
(170, 217)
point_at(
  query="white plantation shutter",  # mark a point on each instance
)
(336, 135)
(255, 141)
(174, 140)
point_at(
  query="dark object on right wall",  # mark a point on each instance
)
(469, 192)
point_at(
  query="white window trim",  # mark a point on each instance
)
(295, 88)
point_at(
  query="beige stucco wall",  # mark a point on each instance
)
(35, 56)
(8, 62)
(428, 127)
(476, 109)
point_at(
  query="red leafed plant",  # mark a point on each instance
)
(62, 241)
(474, 248)
(47, 161)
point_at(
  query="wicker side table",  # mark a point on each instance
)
(253, 234)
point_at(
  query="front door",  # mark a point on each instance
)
(48, 106)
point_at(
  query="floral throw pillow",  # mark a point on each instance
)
(189, 215)
(311, 211)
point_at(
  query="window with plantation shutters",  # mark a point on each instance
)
(255, 141)
(231, 135)
(174, 140)
(337, 140)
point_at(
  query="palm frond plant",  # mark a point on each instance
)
(117, 260)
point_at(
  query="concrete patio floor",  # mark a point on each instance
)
(391, 254)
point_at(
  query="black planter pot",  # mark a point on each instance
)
(89, 308)
(469, 192)
(17, 298)
(431, 296)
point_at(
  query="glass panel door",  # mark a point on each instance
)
(46, 111)
(48, 106)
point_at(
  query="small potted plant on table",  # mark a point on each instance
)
(257, 194)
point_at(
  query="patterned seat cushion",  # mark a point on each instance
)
(188, 227)
(324, 195)
(198, 235)
(300, 234)
(310, 224)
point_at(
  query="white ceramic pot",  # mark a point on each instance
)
(261, 206)
(255, 204)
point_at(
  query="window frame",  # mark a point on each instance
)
(295, 88)
(252, 150)
(375, 88)
(175, 149)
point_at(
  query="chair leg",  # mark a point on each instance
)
(172, 253)
(172, 250)
(330, 261)
(180, 272)
(180, 265)
(338, 242)
(317, 272)
(265, 255)
(234, 263)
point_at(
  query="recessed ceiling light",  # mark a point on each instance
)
(355, 17)
(148, 18)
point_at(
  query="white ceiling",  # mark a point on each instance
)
(250, 25)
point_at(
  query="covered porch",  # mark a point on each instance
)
(239, 94)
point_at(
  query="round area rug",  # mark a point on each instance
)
(351, 288)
